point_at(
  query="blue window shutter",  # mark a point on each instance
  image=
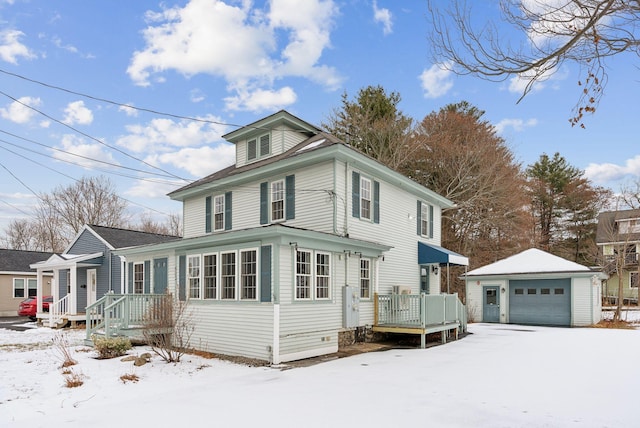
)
(207, 215)
(265, 273)
(430, 221)
(130, 280)
(182, 278)
(419, 217)
(227, 211)
(376, 202)
(147, 277)
(264, 203)
(290, 186)
(355, 187)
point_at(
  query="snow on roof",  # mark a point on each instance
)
(529, 261)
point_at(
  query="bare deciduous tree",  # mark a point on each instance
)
(172, 226)
(460, 157)
(543, 36)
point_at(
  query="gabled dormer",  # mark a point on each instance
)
(269, 137)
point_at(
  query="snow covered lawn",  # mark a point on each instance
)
(498, 376)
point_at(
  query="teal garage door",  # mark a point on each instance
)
(540, 301)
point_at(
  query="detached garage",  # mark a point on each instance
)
(536, 288)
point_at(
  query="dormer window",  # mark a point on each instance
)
(259, 147)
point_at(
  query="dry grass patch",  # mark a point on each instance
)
(615, 324)
(72, 379)
(129, 377)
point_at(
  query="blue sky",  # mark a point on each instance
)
(229, 63)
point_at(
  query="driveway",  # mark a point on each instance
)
(17, 323)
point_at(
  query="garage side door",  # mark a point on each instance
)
(540, 301)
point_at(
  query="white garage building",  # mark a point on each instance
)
(537, 288)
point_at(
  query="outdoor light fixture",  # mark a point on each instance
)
(434, 269)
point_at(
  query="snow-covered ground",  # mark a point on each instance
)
(498, 376)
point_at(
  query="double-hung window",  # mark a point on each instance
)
(633, 279)
(425, 220)
(138, 278)
(210, 276)
(313, 275)
(193, 276)
(277, 200)
(228, 275)
(365, 278)
(365, 198)
(249, 275)
(218, 212)
(18, 287)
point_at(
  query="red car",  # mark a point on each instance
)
(29, 306)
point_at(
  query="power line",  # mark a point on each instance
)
(76, 155)
(147, 110)
(91, 137)
(157, 181)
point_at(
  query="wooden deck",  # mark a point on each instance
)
(420, 314)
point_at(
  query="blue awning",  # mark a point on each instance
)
(429, 253)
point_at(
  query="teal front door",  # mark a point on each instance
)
(160, 276)
(490, 304)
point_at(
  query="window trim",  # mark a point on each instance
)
(190, 277)
(135, 281)
(631, 281)
(364, 199)
(241, 276)
(312, 276)
(282, 200)
(23, 288)
(215, 213)
(216, 277)
(258, 142)
(234, 276)
(365, 278)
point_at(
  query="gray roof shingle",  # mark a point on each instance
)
(20, 261)
(122, 238)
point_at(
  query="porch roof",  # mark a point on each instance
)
(430, 253)
(67, 261)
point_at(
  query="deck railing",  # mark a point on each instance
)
(419, 310)
(114, 313)
(57, 310)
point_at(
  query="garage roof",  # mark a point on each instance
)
(529, 261)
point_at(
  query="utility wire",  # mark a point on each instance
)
(91, 137)
(147, 110)
(74, 154)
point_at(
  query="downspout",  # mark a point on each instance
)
(335, 197)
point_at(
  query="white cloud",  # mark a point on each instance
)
(383, 16)
(196, 96)
(199, 161)
(129, 111)
(261, 100)
(18, 111)
(164, 135)
(77, 113)
(436, 81)
(604, 172)
(516, 124)
(85, 152)
(238, 43)
(152, 189)
(11, 48)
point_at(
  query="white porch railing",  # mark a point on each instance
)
(57, 310)
(113, 314)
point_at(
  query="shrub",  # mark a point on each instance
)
(111, 347)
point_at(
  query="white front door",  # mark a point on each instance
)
(92, 279)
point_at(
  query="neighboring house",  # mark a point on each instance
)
(618, 238)
(88, 269)
(537, 288)
(18, 280)
(285, 252)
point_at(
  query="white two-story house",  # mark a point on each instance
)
(285, 251)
